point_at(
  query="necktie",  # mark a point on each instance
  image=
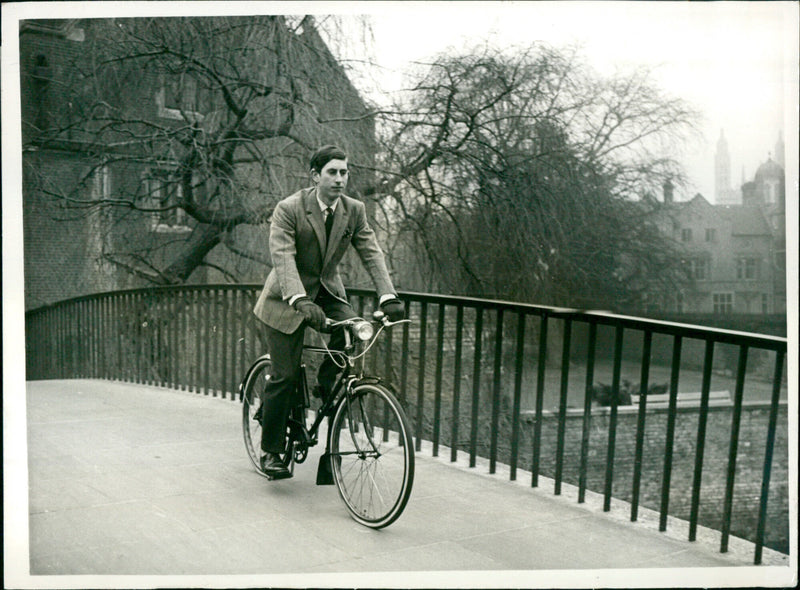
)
(328, 222)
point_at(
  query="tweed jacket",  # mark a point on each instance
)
(303, 260)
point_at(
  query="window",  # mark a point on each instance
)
(723, 302)
(711, 234)
(164, 193)
(686, 234)
(747, 268)
(180, 92)
(697, 268)
(179, 97)
(101, 183)
(770, 192)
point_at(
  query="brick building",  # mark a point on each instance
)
(118, 136)
(735, 255)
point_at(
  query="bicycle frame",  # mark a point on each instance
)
(347, 380)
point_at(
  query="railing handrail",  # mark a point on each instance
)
(722, 335)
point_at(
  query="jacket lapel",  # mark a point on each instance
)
(314, 216)
(340, 217)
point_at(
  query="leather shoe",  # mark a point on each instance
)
(273, 466)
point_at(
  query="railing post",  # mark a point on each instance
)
(207, 321)
(518, 369)
(160, 352)
(80, 339)
(587, 412)
(423, 336)
(197, 305)
(219, 334)
(671, 415)
(496, 383)
(387, 355)
(437, 400)
(562, 406)
(234, 349)
(387, 351)
(476, 386)
(537, 425)
(404, 357)
(640, 423)
(734, 447)
(770, 447)
(91, 321)
(174, 326)
(224, 327)
(702, 418)
(136, 304)
(457, 383)
(183, 302)
(612, 419)
(116, 309)
(105, 334)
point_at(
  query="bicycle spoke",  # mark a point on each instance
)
(374, 479)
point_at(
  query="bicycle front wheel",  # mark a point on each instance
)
(372, 455)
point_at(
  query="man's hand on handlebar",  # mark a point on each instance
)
(394, 309)
(312, 313)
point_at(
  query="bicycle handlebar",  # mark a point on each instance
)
(377, 316)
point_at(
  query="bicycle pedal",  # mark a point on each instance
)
(280, 475)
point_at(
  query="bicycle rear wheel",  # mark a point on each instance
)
(252, 400)
(372, 455)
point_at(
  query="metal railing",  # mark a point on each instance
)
(202, 338)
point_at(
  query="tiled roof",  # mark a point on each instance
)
(746, 220)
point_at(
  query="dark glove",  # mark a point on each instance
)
(394, 309)
(312, 313)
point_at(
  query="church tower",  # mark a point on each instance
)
(779, 151)
(723, 195)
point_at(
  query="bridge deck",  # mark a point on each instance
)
(136, 480)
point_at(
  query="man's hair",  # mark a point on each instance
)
(324, 155)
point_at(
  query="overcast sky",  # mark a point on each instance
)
(736, 61)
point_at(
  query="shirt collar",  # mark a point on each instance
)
(323, 206)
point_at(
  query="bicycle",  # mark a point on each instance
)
(369, 453)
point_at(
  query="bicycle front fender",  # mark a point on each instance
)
(253, 367)
(368, 381)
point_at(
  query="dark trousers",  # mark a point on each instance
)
(286, 351)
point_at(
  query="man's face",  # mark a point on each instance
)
(331, 180)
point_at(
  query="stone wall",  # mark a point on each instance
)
(749, 462)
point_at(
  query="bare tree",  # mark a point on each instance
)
(204, 124)
(519, 175)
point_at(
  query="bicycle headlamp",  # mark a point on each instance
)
(363, 331)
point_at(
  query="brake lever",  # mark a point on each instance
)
(381, 317)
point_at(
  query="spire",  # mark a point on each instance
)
(722, 170)
(779, 150)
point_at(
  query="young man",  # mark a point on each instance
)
(310, 233)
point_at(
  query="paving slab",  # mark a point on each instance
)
(134, 480)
